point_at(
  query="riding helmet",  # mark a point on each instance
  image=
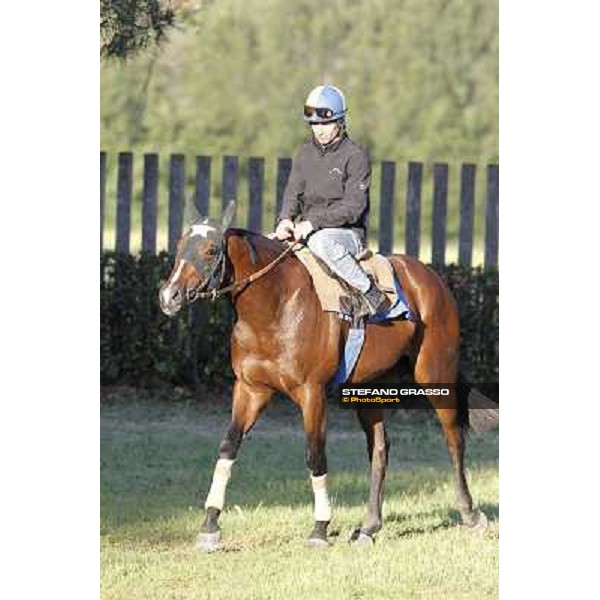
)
(325, 103)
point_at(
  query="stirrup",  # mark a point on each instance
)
(377, 302)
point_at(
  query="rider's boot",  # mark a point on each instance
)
(377, 301)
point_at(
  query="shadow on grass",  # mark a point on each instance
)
(169, 523)
(156, 469)
(446, 519)
(168, 532)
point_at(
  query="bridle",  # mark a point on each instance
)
(204, 289)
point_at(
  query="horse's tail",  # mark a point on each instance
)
(476, 411)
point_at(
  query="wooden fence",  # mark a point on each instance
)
(256, 221)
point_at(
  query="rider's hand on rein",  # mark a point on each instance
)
(302, 230)
(285, 229)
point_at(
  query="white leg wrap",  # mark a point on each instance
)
(216, 495)
(322, 504)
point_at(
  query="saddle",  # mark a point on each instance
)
(336, 295)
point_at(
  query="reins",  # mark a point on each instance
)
(196, 293)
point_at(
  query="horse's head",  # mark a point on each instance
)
(199, 262)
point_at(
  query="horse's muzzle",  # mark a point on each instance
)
(170, 299)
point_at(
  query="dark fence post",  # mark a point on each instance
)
(176, 199)
(102, 197)
(284, 166)
(230, 181)
(386, 207)
(124, 190)
(440, 209)
(202, 197)
(256, 182)
(150, 203)
(467, 203)
(413, 208)
(491, 217)
(256, 171)
(200, 310)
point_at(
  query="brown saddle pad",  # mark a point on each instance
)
(329, 289)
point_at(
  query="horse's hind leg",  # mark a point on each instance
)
(247, 405)
(378, 445)
(430, 368)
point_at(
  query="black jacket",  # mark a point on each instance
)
(329, 186)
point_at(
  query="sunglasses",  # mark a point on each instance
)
(322, 113)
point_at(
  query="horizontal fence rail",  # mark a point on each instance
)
(257, 219)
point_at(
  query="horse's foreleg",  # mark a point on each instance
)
(312, 401)
(378, 445)
(248, 403)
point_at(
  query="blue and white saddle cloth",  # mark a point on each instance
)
(356, 335)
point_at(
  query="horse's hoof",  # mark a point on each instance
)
(364, 540)
(317, 542)
(318, 536)
(361, 539)
(478, 524)
(208, 542)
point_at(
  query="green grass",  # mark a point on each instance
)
(157, 460)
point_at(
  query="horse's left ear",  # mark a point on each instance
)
(228, 215)
(191, 214)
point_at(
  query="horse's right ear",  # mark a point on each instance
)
(228, 215)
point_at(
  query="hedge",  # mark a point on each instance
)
(142, 347)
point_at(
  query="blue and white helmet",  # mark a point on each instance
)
(325, 103)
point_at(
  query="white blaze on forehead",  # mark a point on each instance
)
(202, 229)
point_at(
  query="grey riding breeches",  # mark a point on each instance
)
(337, 248)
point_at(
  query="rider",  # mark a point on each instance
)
(326, 200)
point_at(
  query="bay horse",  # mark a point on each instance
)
(282, 341)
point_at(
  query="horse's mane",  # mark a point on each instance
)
(259, 240)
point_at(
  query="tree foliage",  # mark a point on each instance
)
(127, 26)
(421, 79)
